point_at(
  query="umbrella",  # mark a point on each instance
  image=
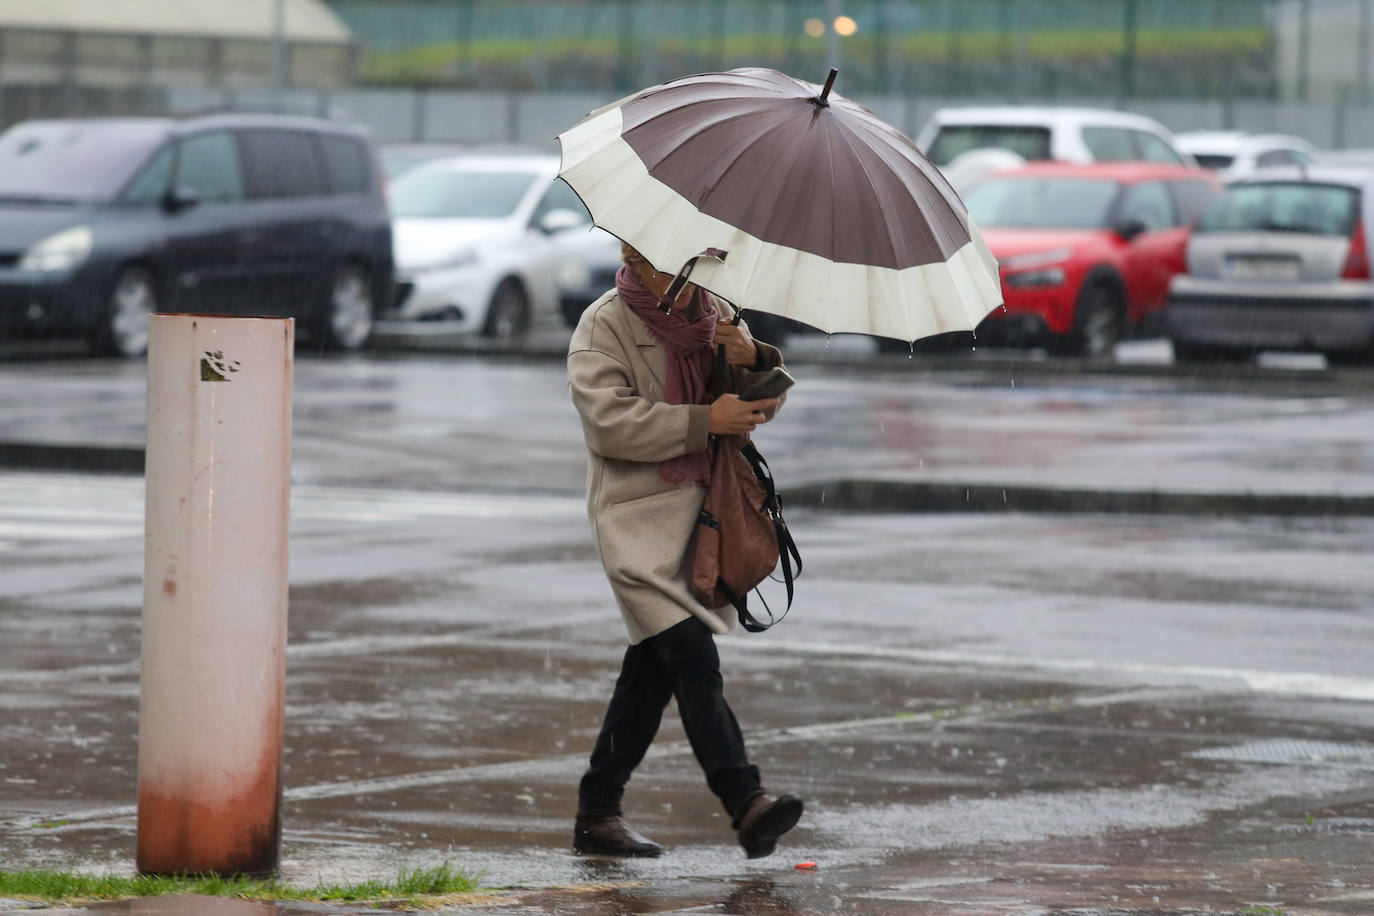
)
(785, 198)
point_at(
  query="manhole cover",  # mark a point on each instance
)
(1289, 751)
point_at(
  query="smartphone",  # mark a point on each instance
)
(769, 384)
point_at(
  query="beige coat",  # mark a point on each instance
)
(643, 525)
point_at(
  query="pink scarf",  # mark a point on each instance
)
(691, 358)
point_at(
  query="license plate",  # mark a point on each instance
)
(1263, 268)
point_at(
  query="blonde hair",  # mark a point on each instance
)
(630, 256)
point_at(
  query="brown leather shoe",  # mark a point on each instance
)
(611, 836)
(764, 820)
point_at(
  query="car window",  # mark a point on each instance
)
(1214, 161)
(152, 181)
(346, 164)
(1036, 202)
(1193, 198)
(560, 197)
(280, 163)
(1108, 144)
(1153, 149)
(74, 160)
(1028, 142)
(208, 164)
(448, 193)
(1150, 203)
(1318, 209)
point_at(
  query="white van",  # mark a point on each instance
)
(1032, 133)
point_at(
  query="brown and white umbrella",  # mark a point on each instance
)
(817, 210)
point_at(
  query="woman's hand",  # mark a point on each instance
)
(732, 417)
(739, 346)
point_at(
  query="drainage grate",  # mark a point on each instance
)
(1289, 751)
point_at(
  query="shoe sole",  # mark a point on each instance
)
(619, 853)
(773, 823)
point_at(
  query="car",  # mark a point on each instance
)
(1281, 262)
(492, 244)
(1234, 154)
(105, 221)
(1085, 252)
(1038, 133)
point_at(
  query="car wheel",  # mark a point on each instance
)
(1097, 323)
(508, 315)
(347, 319)
(132, 302)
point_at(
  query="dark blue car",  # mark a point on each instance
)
(105, 221)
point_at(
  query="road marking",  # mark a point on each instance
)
(75, 507)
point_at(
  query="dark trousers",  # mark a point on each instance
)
(680, 662)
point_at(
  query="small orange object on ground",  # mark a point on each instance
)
(806, 866)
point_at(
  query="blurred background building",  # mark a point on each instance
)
(512, 70)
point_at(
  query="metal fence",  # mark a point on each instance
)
(1010, 48)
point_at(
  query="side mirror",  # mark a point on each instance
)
(560, 221)
(1128, 229)
(181, 197)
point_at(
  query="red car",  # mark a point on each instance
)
(1086, 252)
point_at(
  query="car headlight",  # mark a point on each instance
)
(62, 251)
(464, 258)
(573, 275)
(1050, 276)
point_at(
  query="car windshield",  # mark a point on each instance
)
(73, 160)
(1317, 209)
(443, 193)
(1028, 142)
(1214, 161)
(1037, 202)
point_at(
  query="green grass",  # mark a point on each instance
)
(411, 886)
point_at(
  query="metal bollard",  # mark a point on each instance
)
(214, 595)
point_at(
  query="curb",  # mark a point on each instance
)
(46, 456)
(879, 496)
(867, 496)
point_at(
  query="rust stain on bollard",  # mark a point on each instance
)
(194, 832)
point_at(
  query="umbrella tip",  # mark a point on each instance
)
(824, 98)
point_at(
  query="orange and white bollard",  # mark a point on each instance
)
(214, 594)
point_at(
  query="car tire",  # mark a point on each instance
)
(508, 314)
(1098, 321)
(346, 322)
(128, 312)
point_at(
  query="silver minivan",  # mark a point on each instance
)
(1280, 262)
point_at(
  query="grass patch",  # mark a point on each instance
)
(410, 886)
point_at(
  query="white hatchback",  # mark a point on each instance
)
(489, 244)
(1235, 154)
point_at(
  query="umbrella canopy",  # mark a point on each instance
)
(826, 214)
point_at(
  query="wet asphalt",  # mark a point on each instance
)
(1020, 711)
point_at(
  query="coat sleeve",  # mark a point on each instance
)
(768, 357)
(618, 423)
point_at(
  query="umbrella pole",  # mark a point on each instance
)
(665, 303)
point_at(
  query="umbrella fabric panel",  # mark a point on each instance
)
(751, 148)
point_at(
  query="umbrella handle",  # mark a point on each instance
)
(665, 302)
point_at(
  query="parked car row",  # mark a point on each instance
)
(1227, 242)
(105, 221)
(1104, 223)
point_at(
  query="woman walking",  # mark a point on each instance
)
(640, 379)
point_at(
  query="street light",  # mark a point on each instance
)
(814, 27)
(845, 26)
